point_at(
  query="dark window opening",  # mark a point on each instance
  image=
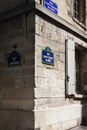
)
(79, 10)
(81, 69)
(78, 69)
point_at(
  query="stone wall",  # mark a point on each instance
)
(65, 11)
(32, 94)
(7, 5)
(17, 83)
(53, 111)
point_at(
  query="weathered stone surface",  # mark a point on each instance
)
(33, 94)
(17, 119)
(17, 83)
(63, 114)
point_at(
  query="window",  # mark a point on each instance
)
(76, 68)
(79, 10)
(76, 9)
(81, 69)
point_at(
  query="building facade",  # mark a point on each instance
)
(43, 64)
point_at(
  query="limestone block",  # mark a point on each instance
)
(49, 127)
(40, 117)
(62, 114)
(10, 82)
(43, 72)
(21, 41)
(8, 104)
(39, 72)
(16, 72)
(60, 65)
(49, 73)
(76, 111)
(57, 126)
(26, 104)
(53, 44)
(38, 51)
(49, 92)
(69, 124)
(16, 93)
(45, 82)
(52, 116)
(60, 56)
(24, 82)
(18, 82)
(52, 127)
(56, 84)
(37, 29)
(46, 32)
(14, 128)
(19, 119)
(41, 82)
(31, 25)
(70, 112)
(51, 80)
(39, 20)
(49, 103)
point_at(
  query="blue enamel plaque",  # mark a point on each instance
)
(51, 5)
(14, 59)
(47, 56)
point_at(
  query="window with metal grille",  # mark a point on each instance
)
(79, 10)
(76, 9)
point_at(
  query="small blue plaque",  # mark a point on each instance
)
(47, 56)
(51, 5)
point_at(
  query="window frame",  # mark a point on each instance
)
(78, 69)
(76, 9)
(81, 19)
(78, 54)
(71, 90)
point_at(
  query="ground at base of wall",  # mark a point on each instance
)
(80, 128)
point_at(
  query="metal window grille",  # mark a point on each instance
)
(79, 10)
(76, 9)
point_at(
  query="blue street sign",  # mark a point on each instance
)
(47, 56)
(51, 5)
(14, 59)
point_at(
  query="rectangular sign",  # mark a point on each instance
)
(47, 56)
(51, 5)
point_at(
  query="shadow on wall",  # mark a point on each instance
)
(83, 120)
(84, 111)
